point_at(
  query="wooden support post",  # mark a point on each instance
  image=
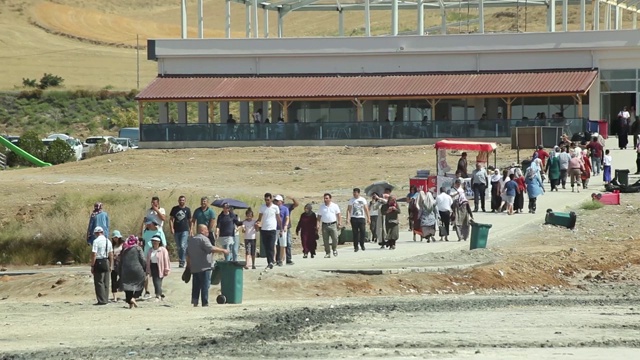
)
(509, 101)
(285, 110)
(140, 112)
(578, 99)
(212, 112)
(432, 103)
(359, 104)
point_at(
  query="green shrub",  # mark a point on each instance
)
(59, 152)
(32, 144)
(50, 80)
(591, 205)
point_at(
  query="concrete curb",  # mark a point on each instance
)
(405, 270)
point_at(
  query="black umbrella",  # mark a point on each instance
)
(378, 187)
(236, 204)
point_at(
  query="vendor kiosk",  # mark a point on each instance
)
(446, 173)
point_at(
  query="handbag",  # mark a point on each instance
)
(186, 275)
(442, 230)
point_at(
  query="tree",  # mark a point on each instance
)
(31, 143)
(126, 117)
(50, 80)
(59, 152)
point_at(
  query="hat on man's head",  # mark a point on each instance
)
(98, 229)
(278, 198)
(116, 234)
(156, 238)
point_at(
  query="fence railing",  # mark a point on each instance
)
(348, 130)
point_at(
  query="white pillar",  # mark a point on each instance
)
(565, 15)
(367, 17)
(618, 18)
(583, 15)
(280, 23)
(227, 29)
(203, 112)
(183, 18)
(635, 21)
(265, 21)
(607, 17)
(247, 20)
(551, 16)
(394, 17)
(340, 23)
(255, 19)
(443, 21)
(420, 17)
(596, 16)
(182, 112)
(481, 16)
(200, 19)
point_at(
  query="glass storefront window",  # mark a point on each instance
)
(618, 86)
(629, 74)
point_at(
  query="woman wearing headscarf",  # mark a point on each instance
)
(428, 215)
(586, 174)
(462, 215)
(503, 198)
(534, 188)
(522, 188)
(391, 212)
(553, 168)
(307, 229)
(132, 270)
(496, 191)
(373, 224)
(98, 218)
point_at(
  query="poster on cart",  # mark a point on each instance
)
(443, 167)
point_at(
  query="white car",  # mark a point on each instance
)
(92, 141)
(74, 143)
(126, 143)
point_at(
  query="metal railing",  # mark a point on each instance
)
(348, 130)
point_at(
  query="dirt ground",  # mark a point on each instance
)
(549, 293)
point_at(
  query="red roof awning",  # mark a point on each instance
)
(371, 86)
(465, 145)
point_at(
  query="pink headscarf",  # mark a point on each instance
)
(97, 209)
(131, 242)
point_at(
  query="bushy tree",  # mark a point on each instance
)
(50, 80)
(59, 152)
(30, 142)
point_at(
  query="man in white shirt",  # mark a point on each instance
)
(329, 221)
(443, 203)
(269, 221)
(358, 216)
(155, 212)
(101, 265)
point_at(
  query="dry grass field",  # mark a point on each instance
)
(91, 43)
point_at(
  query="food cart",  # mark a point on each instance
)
(446, 173)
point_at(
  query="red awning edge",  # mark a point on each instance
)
(465, 145)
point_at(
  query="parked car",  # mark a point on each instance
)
(91, 142)
(13, 139)
(126, 143)
(74, 143)
(132, 133)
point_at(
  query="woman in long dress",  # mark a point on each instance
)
(391, 212)
(586, 174)
(428, 216)
(378, 202)
(308, 231)
(462, 217)
(132, 270)
(496, 191)
(534, 188)
(553, 167)
(519, 201)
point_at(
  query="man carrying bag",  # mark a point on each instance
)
(101, 264)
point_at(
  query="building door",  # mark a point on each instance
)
(612, 104)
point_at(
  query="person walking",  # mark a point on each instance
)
(249, 230)
(308, 231)
(510, 190)
(586, 174)
(479, 184)
(428, 216)
(496, 191)
(180, 222)
(443, 204)
(329, 221)
(158, 266)
(391, 212)
(268, 222)
(156, 213)
(553, 168)
(519, 179)
(534, 188)
(116, 244)
(225, 231)
(199, 262)
(204, 215)
(281, 242)
(563, 160)
(607, 160)
(101, 265)
(358, 217)
(98, 218)
(462, 215)
(596, 149)
(152, 229)
(376, 204)
(132, 270)
(576, 167)
(290, 206)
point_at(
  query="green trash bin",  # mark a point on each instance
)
(479, 235)
(563, 219)
(622, 176)
(346, 235)
(231, 280)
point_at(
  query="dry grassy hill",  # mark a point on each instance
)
(91, 44)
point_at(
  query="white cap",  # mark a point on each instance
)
(98, 229)
(278, 198)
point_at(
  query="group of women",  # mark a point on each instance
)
(509, 188)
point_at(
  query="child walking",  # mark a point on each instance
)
(158, 265)
(606, 171)
(249, 230)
